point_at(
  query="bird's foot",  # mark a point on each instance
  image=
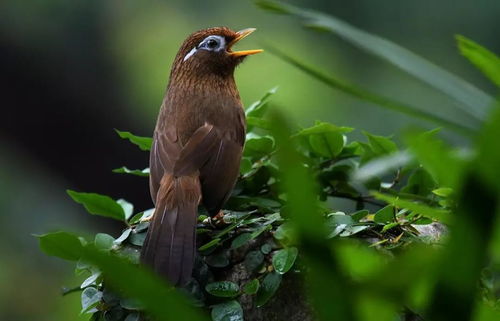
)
(217, 219)
(219, 216)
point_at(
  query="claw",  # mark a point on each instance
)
(217, 219)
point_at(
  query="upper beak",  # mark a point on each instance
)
(240, 35)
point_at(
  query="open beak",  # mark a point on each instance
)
(240, 35)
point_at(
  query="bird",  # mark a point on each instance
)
(196, 150)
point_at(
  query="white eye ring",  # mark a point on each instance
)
(213, 43)
(207, 44)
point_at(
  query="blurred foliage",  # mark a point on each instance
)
(370, 263)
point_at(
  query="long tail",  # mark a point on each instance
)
(169, 247)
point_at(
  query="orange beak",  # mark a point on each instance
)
(240, 35)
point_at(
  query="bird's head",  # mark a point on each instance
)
(209, 52)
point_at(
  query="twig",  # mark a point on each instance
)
(66, 291)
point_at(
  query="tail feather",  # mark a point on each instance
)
(169, 247)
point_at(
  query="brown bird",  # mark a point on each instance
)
(197, 146)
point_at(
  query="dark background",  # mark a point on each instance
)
(71, 71)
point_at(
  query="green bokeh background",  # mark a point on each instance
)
(135, 43)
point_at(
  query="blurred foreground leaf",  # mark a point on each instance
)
(327, 287)
(372, 97)
(482, 58)
(456, 289)
(471, 100)
(160, 300)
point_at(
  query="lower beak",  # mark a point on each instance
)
(240, 35)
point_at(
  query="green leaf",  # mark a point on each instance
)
(325, 139)
(266, 248)
(389, 226)
(258, 122)
(97, 204)
(136, 172)
(298, 184)
(253, 260)
(224, 289)
(234, 216)
(284, 259)
(90, 298)
(252, 287)
(353, 229)
(323, 128)
(227, 311)
(444, 164)
(258, 146)
(366, 95)
(337, 222)
(104, 241)
(158, 299)
(258, 108)
(219, 259)
(327, 145)
(489, 156)
(482, 58)
(127, 207)
(267, 288)
(134, 316)
(373, 168)
(137, 238)
(381, 145)
(91, 280)
(430, 212)
(357, 216)
(210, 244)
(265, 227)
(472, 100)
(384, 215)
(125, 234)
(443, 191)
(245, 237)
(245, 165)
(144, 143)
(285, 233)
(420, 182)
(240, 240)
(131, 304)
(61, 244)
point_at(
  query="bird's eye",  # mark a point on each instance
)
(212, 43)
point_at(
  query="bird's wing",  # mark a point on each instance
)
(168, 156)
(165, 151)
(211, 150)
(219, 174)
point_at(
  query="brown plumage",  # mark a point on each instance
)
(197, 146)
